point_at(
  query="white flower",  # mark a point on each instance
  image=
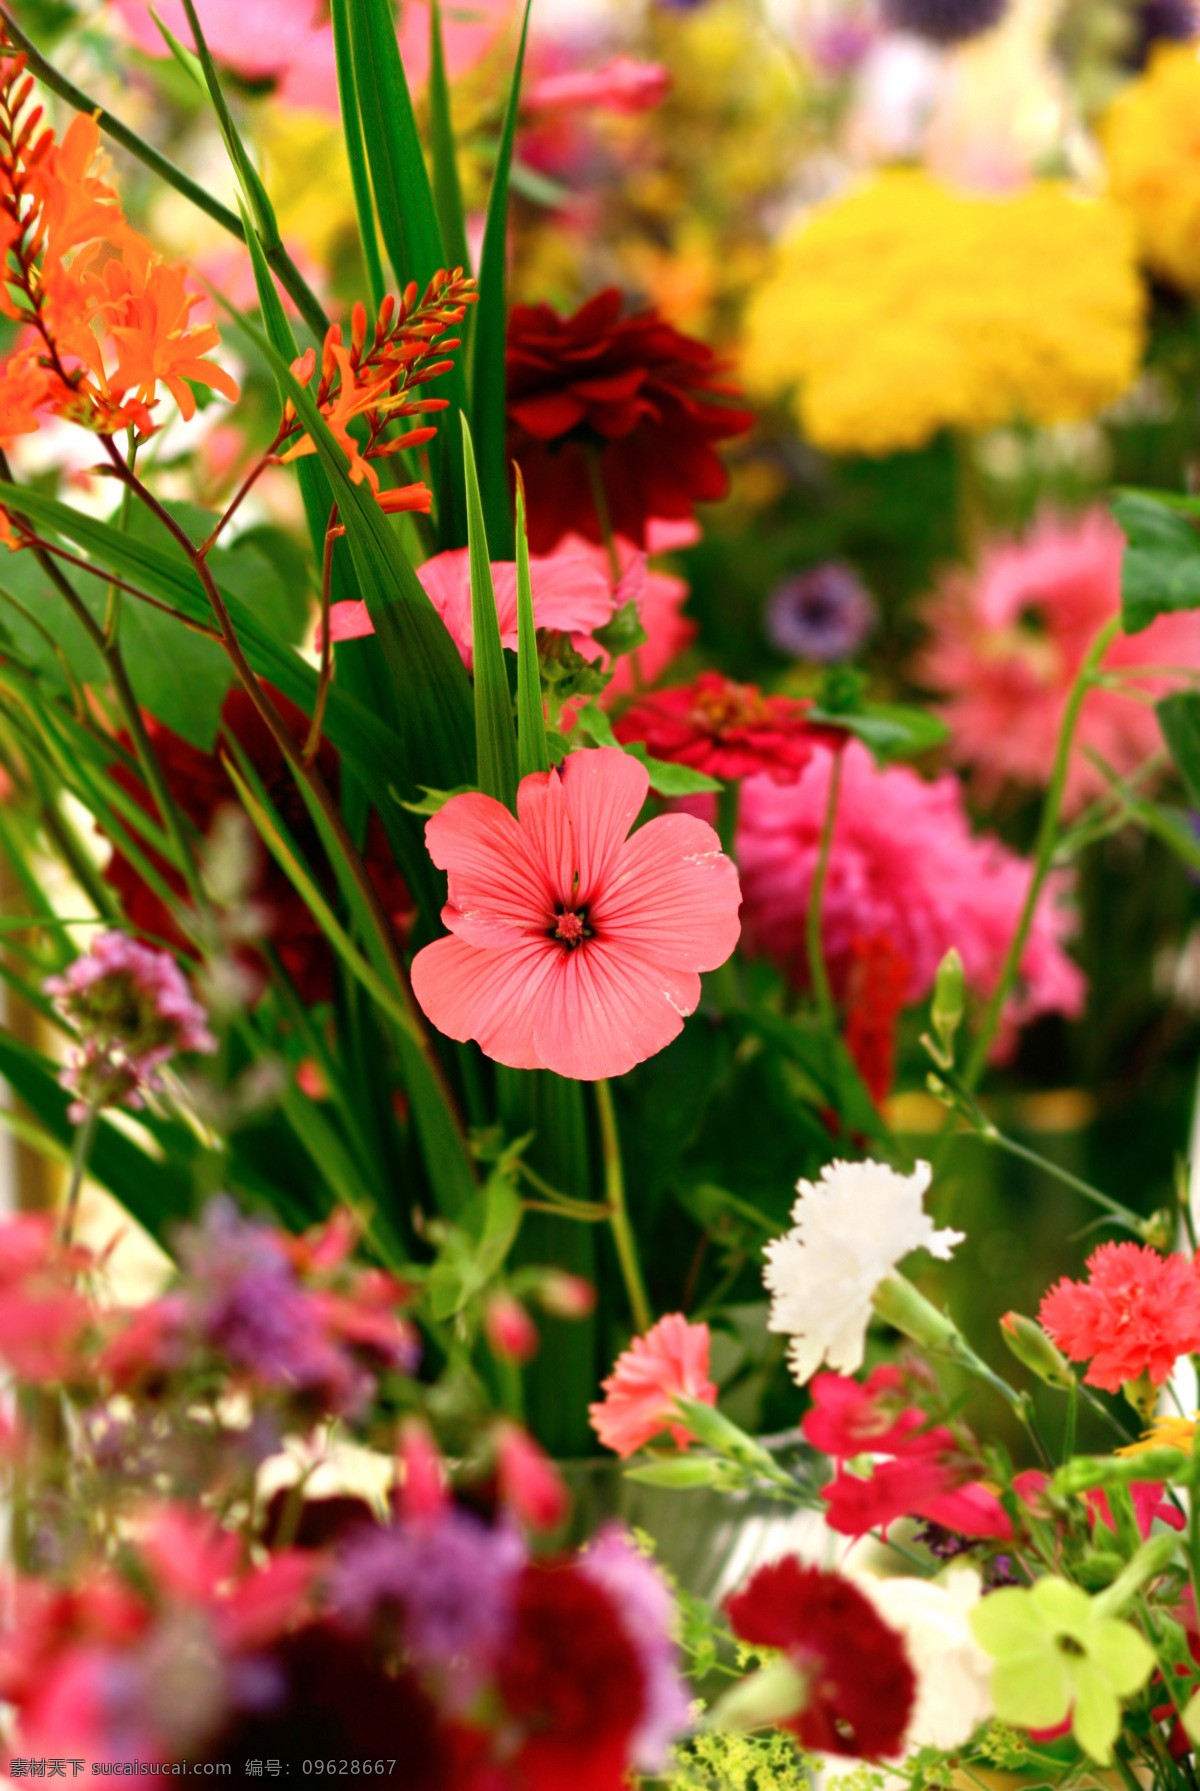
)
(852, 1228)
(952, 1670)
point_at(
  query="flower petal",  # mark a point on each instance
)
(674, 894)
(498, 892)
(489, 996)
(610, 1009)
(548, 833)
(605, 790)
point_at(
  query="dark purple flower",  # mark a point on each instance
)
(823, 614)
(452, 1579)
(944, 21)
(1161, 21)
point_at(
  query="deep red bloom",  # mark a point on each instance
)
(876, 992)
(849, 1419)
(931, 1485)
(643, 398)
(1137, 1314)
(861, 1687)
(1148, 1503)
(572, 1684)
(724, 729)
(201, 786)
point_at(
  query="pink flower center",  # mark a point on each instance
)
(571, 928)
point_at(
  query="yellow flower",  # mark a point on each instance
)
(906, 307)
(1165, 1433)
(1151, 138)
(308, 178)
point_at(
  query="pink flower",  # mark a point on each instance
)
(647, 1378)
(570, 593)
(422, 1489)
(622, 85)
(1009, 640)
(574, 948)
(905, 866)
(847, 1419)
(510, 1331)
(1136, 1314)
(928, 1485)
(530, 1484)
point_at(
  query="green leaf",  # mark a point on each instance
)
(533, 751)
(1160, 572)
(890, 730)
(187, 59)
(495, 742)
(433, 801)
(447, 193)
(623, 632)
(477, 1251)
(1179, 719)
(364, 204)
(681, 1472)
(488, 407)
(255, 193)
(824, 1058)
(666, 779)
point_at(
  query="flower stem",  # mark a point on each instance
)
(816, 951)
(1047, 840)
(600, 499)
(614, 1187)
(85, 1135)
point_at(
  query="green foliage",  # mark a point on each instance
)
(533, 752)
(1160, 572)
(472, 1251)
(495, 738)
(755, 1762)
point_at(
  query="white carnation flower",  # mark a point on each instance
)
(953, 1672)
(852, 1228)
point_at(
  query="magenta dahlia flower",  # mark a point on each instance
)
(574, 947)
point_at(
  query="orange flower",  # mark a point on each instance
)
(25, 388)
(77, 207)
(148, 307)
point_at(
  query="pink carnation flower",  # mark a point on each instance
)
(647, 1378)
(903, 867)
(1008, 642)
(1137, 1313)
(573, 947)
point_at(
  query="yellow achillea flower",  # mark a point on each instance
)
(1165, 1433)
(906, 307)
(1151, 139)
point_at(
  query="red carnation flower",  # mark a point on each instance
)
(860, 1686)
(848, 1419)
(1137, 1315)
(875, 994)
(572, 1684)
(724, 729)
(633, 391)
(201, 786)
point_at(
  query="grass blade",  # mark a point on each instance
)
(447, 193)
(356, 154)
(495, 745)
(533, 753)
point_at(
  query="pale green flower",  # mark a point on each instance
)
(1056, 1653)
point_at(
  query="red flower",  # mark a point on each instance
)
(201, 786)
(634, 392)
(1137, 1315)
(861, 1688)
(875, 994)
(724, 729)
(849, 1419)
(571, 1682)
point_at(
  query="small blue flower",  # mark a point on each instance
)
(823, 614)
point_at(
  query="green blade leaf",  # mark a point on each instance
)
(488, 419)
(255, 193)
(364, 204)
(1160, 572)
(1179, 719)
(666, 778)
(533, 752)
(447, 193)
(495, 744)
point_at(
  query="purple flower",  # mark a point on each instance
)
(1162, 21)
(646, 1610)
(133, 1011)
(944, 21)
(823, 614)
(451, 1577)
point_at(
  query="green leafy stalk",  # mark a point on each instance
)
(364, 203)
(495, 745)
(447, 193)
(533, 752)
(816, 950)
(622, 1230)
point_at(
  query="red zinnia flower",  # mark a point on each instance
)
(876, 992)
(860, 1686)
(1137, 1315)
(201, 786)
(572, 1683)
(724, 729)
(633, 391)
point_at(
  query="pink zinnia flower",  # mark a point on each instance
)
(1136, 1314)
(570, 593)
(647, 1378)
(1008, 641)
(904, 866)
(574, 948)
(621, 85)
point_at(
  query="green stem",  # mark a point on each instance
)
(728, 799)
(614, 1187)
(991, 1134)
(600, 498)
(85, 1134)
(816, 950)
(1043, 852)
(1068, 1448)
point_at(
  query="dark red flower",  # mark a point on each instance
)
(571, 1683)
(635, 393)
(848, 1419)
(875, 992)
(935, 1486)
(860, 1686)
(201, 786)
(724, 729)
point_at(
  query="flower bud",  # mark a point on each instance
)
(773, 1694)
(946, 1011)
(566, 1296)
(900, 1305)
(510, 1331)
(530, 1484)
(1142, 1395)
(1030, 1345)
(422, 1490)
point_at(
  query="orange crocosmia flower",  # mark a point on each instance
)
(407, 497)
(25, 388)
(77, 206)
(352, 399)
(8, 535)
(147, 307)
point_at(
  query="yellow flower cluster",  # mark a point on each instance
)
(1151, 139)
(906, 307)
